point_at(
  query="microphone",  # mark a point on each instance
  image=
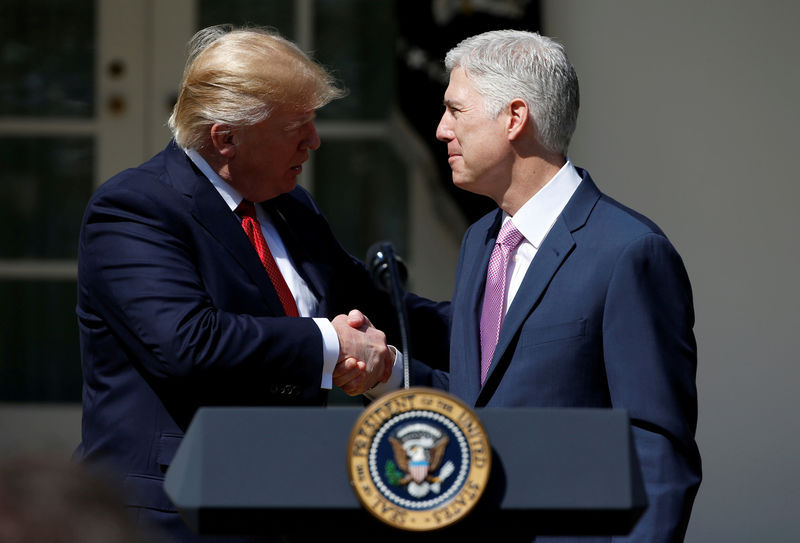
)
(389, 274)
(379, 262)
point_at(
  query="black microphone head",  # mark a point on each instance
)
(378, 265)
(380, 257)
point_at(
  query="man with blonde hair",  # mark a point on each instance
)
(208, 277)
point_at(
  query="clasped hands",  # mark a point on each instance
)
(364, 358)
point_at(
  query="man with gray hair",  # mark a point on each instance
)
(208, 277)
(563, 297)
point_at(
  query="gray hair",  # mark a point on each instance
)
(239, 76)
(508, 64)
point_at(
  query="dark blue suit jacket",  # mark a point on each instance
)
(603, 318)
(176, 312)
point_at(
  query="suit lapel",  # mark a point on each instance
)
(468, 352)
(555, 248)
(557, 245)
(314, 271)
(211, 211)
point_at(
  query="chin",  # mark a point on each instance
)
(290, 185)
(461, 183)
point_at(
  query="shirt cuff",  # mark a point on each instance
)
(395, 380)
(330, 351)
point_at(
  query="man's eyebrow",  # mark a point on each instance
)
(300, 121)
(450, 103)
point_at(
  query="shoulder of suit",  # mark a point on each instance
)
(623, 217)
(145, 187)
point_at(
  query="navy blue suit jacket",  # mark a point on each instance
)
(603, 318)
(176, 312)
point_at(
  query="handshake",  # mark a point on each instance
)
(364, 358)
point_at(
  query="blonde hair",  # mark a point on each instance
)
(239, 76)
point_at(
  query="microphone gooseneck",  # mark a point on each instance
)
(390, 274)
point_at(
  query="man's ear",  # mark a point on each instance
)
(518, 118)
(223, 139)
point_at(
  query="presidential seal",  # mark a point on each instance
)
(418, 459)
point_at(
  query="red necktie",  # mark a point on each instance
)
(247, 211)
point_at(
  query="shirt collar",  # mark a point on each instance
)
(228, 193)
(535, 218)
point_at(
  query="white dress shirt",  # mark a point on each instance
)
(307, 303)
(534, 220)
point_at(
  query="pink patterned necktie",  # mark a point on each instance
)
(495, 294)
(247, 211)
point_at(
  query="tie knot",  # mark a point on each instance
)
(509, 236)
(246, 209)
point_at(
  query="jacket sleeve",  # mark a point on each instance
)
(139, 274)
(651, 359)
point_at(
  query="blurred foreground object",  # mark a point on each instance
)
(45, 500)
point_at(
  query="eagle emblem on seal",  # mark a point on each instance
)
(418, 452)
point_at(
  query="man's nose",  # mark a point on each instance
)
(443, 131)
(311, 140)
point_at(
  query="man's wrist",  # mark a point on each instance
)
(395, 379)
